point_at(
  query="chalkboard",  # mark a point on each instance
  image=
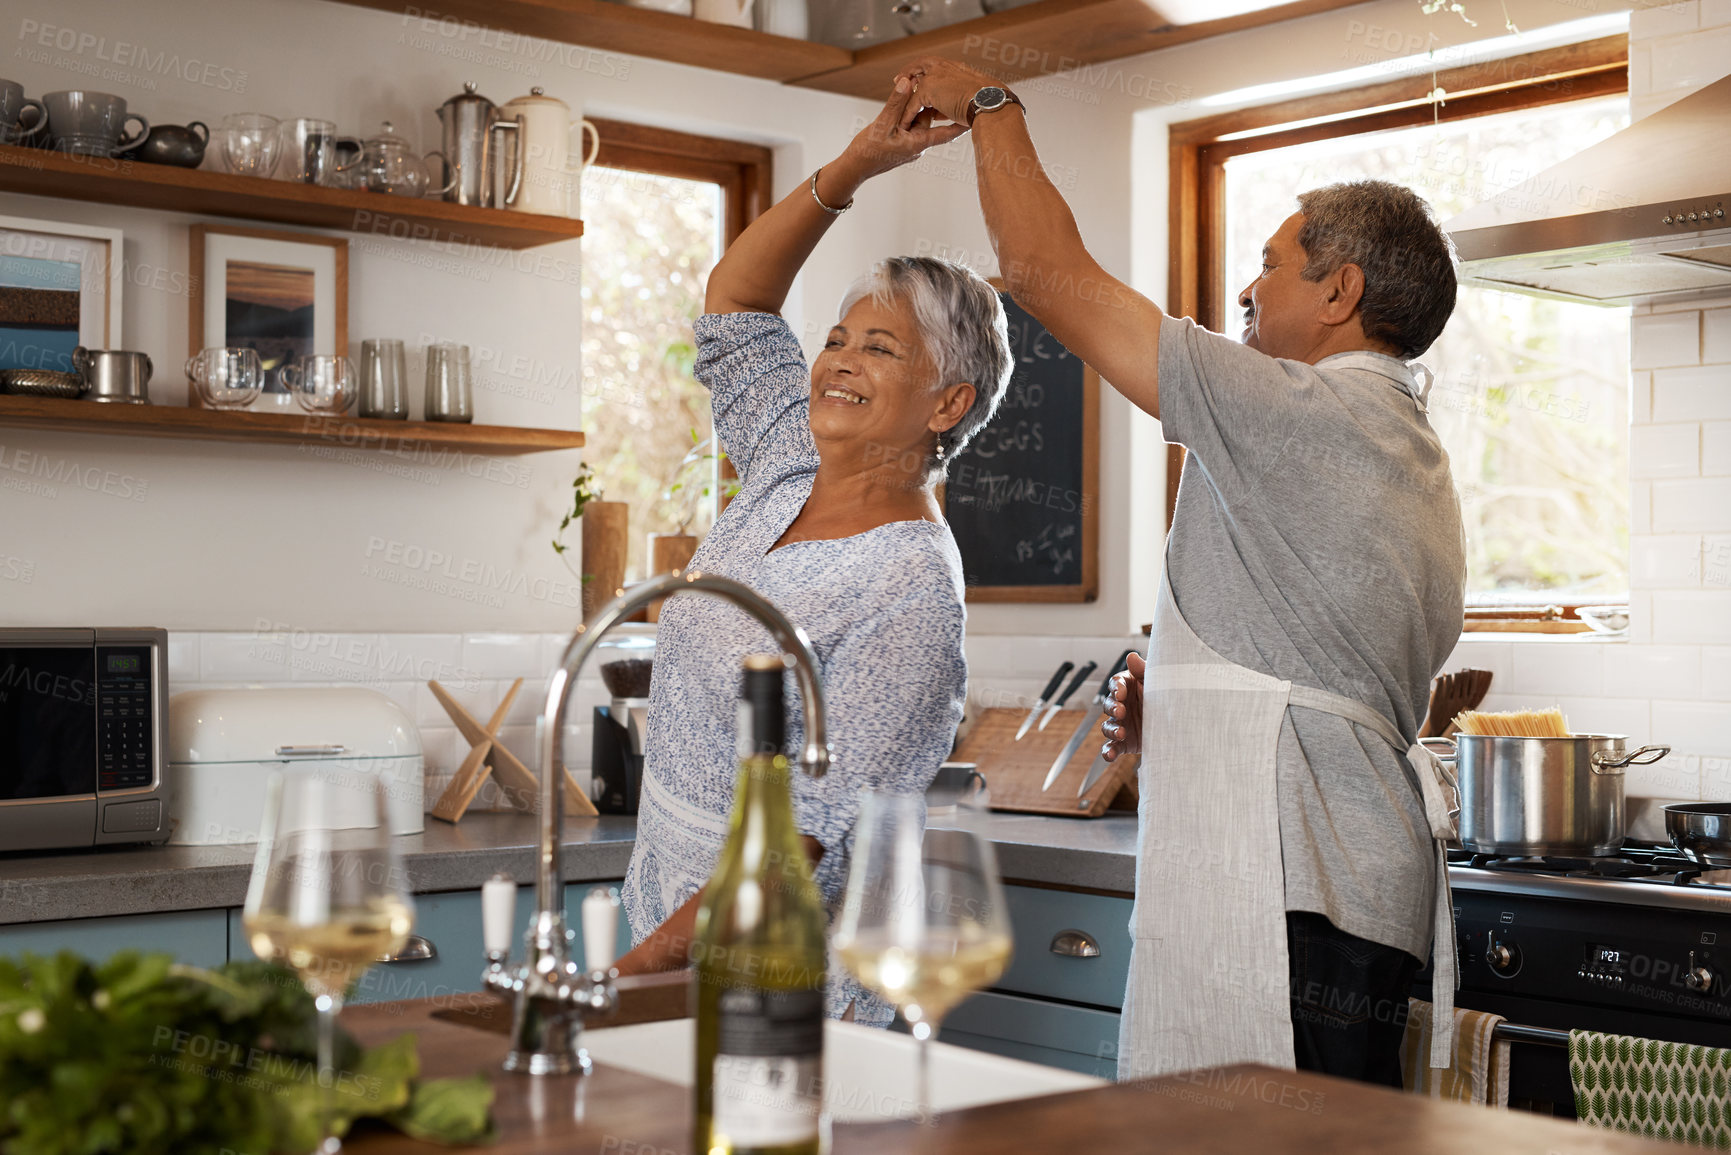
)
(1023, 498)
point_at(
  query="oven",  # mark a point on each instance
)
(1636, 944)
(83, 722)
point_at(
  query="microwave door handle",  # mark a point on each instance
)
(330, 750)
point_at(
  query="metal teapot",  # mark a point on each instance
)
(468, 149)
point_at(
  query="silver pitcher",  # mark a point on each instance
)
(466, 146)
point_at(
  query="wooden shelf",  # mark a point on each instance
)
(616, 27)
(120, 181)
(1051, 36)
(278, 428)
(1035, 39)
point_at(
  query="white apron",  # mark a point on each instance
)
(1209, 978)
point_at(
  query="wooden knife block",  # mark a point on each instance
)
(1014, 770)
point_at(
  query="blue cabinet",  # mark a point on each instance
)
(196, 937)
(1075, 1038)
(1058, 1001)
(450, 922)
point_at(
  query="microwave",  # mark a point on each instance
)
(83, 727)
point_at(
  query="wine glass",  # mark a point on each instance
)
(328, 895)
(923, 922)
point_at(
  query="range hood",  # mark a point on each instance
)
(1641, 216)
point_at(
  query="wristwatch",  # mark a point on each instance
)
(990, 99)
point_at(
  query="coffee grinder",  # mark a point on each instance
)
(620, 727)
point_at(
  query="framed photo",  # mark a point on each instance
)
(283, 294)
(60, 287)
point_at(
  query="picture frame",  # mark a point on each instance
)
(61, 286)
(285, 294)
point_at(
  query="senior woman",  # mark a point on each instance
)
(837, 523)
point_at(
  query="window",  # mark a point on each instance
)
(658, 208)
(1531, 395)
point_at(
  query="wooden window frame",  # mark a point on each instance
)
(1199, 150)
(744, 171)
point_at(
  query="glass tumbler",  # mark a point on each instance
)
(249, 143)
(226, 378)
(321, 383)
(309, 152)
(384, 373)
(450, 387)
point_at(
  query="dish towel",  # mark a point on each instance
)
(1661, 1090)
(1480, 1070)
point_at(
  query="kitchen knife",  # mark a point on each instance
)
(1098, 766)
(1045, 696)
(1075, 683)
(1088, 722)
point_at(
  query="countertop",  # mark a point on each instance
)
(1093, 854)
(1222, 1111)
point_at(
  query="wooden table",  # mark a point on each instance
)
(1228, 1110)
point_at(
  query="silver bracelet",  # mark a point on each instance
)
(819, 200)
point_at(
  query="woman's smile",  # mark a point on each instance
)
(841, 395)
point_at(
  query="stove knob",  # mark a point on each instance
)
(1501, 957)
(1699, 977)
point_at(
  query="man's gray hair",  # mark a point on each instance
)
(1387, 230)
(962, 325)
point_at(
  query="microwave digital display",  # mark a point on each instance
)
(125, 664)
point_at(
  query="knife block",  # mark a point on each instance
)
(1014, 770)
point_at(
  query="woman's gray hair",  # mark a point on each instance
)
(961, 322)
(1388, 231)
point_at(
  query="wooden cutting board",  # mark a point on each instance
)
(1014, 770)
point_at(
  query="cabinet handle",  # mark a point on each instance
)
(1075, 944)
(417, 949)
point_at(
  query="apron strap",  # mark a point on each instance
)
(1437, 788)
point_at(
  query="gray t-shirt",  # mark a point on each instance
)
(1317, 539)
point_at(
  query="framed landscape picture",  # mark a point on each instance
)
(284, 294)
(60, 287)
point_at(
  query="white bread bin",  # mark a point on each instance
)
(224, 744)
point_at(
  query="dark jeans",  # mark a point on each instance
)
(1348, 1001)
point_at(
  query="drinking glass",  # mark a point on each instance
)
(328, 895)
(321, 383)
(450, 387)
(923, 921)
(384, 375)
(249, 143)
(227, 378)
(309, 152)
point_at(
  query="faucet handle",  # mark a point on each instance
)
(498, 908)
(600, 928)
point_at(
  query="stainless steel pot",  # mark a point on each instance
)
(1701, 830)
(114, 375)
(1558, 796)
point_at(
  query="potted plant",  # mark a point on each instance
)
(606, 526)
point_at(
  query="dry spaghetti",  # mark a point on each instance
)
(1514, 723)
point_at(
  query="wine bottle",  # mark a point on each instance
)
(760, 956)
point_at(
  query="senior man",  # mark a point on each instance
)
(1289, 869)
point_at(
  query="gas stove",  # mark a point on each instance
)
(1638, 943)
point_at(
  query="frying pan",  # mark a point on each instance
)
(1702, 831)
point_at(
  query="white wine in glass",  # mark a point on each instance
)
(923, 922)
(328, 895)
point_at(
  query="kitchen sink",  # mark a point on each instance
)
(868, 1073)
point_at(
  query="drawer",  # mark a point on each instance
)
(198, 937)
(1037, 919)
(451, 922)
(1075, 1038)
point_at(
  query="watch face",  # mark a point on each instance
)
(989, 98)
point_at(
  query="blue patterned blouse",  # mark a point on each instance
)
(884, 613)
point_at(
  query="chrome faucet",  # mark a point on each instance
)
(553, 995)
